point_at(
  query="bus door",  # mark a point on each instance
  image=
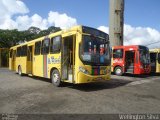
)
(13, 60)
(29, 59)
(68, 58)
(129, 61)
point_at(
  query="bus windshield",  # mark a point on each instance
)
(95, 50)
(144, 55)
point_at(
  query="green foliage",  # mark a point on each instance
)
(4, 58)
(10, 38)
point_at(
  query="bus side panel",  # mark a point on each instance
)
(21, 61)
(24, 64)
(157, 67)
(10, 63)
(29, 67)
(38, 65)
(53, 61)
(18, 62)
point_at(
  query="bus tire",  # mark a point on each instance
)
(118, 71)
(56, 79)
(20, 70)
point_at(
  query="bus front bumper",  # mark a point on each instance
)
(85, 78)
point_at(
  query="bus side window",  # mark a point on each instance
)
(118, 53)
(55, 44)
(18, 52)
(37, 49)
(24, 50)
(159, 58)
(45, 46)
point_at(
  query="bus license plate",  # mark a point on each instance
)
(97, 79)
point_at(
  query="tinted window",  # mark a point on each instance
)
(95, 50)
(18, 52)
(55, 44)
(118, 53)
(45, 46)
(159, 58)
(37, 49)
(24, 50)
(95, 32)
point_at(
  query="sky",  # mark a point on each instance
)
(141, 17)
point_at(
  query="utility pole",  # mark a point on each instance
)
(116, 22)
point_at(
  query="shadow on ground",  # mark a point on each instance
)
(141, 76)
(88, 87)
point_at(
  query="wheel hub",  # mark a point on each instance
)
(118, 71)
(55, 78)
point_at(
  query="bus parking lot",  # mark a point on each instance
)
(126, 94)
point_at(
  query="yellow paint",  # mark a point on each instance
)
(157, 51)
(36, 66)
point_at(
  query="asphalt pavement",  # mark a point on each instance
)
(33, 95)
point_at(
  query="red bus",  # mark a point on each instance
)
(132, 59)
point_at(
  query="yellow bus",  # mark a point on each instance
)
(78, 55)
(155, 60)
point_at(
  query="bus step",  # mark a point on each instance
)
(130, 67)
(129, 70)
(30, 74)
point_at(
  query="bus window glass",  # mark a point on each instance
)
(18, 52)
(37, 48)
(45, 46)
(24, 51)
(95, 50)
(159, 58)
(55, 44)
(118, 53)
(144, 55)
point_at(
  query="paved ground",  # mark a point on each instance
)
(127, 94)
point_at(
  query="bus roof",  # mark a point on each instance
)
(50, 35)
(75, 28)
(128, 46)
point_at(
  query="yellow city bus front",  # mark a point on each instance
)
(93, 63)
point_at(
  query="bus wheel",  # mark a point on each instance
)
(55, 77)
(118, 71)
(20, 71)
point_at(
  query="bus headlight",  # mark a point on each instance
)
(81, 69)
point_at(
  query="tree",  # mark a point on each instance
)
(10, 38)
